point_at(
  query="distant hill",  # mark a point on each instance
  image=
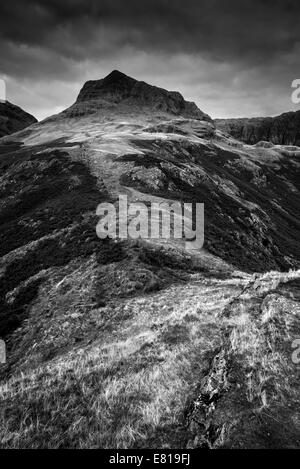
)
(13, 118)
(280, 130)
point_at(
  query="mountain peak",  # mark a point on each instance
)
(120, 90)
(116, 76)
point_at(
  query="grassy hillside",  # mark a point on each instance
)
(200, 363)
(135, 344)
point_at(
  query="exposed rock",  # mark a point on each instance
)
(202, 129)
(239, 402)
(263, 144)
(280, 130)
(13, 119)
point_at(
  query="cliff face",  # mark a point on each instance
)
(280, 130)
(13, 119)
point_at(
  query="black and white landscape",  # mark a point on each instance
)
(135, 344)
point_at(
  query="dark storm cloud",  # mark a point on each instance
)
(52, 39)
(246, 30)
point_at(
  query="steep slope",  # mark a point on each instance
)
(118, 341)
(13, 119)
(280, 130)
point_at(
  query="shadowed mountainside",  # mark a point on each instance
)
(13, 119)
(141, 343)
(279, 130)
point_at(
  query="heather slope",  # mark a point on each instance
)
(203, 363)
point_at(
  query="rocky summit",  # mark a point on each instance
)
(279, 130)
(141, 343)
(13, 118)
(122, 92)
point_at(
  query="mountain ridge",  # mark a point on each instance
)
(283, 129)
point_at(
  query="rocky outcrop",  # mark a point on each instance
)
(13, 119)
(120, 90)
(280, 130)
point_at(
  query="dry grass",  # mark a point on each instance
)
(127, 383)
(136, 370)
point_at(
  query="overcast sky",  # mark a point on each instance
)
(234, 58)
